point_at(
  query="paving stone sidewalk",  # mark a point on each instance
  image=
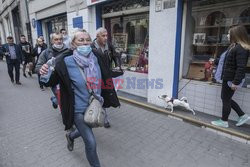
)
(32, 135)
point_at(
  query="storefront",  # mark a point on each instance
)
(129, 33)
(127, 23)
(54, 24)
(47, 17)
(205, 28)
(145, 32)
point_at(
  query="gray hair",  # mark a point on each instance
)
(52, 36)
(100, 31)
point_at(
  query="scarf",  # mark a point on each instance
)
(87, 64)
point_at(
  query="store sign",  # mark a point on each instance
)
(77, 22)
(76, 5)
(93, 2)
(158, 5)
(169, 4)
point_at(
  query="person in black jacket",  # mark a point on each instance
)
(36, 52)
(14, 58)
(27, 55)
(106, 55)
(233, 74)
(74, 91)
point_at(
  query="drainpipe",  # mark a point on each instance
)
(177, 48)
(28, 23)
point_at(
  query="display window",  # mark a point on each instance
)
(207, 25)
(58, 23)
(130, 34)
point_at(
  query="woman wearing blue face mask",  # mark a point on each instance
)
(74, 92)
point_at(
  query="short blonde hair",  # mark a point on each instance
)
(75, 35)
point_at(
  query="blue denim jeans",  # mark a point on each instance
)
(88, 137)
(54, 98)
(106, 120)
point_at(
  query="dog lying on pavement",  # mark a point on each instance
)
(176, 102)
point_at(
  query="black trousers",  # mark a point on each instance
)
(228, 103)
(14, 63)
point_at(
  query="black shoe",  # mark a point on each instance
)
(42, 88)
(70, 142)
(18, 83)
(24, 75)
(12, 80)
(30, 74)
(107, 125)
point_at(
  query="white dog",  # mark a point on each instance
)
(176, 102)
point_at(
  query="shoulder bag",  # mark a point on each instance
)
(94, 114)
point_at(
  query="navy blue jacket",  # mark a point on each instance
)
(19, 55)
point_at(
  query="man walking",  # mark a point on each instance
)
(13, 55)
(27, 56)
(38, 49)
(106, 54)
(57, 47)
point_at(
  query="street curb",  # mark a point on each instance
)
(234, 135)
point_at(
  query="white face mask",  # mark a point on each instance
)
(58, 46)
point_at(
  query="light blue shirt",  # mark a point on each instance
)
(79, 84)
(12, 51)
(219, 70)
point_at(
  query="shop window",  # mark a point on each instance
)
(208, 22)
(130, 30)
(117, 28)
(130, 37)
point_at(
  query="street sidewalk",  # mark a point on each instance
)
(32, 135)
(199, 116)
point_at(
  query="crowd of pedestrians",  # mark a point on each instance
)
(94, 58)
(97, 59)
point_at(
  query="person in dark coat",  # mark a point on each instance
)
(27, 55)
(14, 57)
(74, 91)
(233, 74)
(38, 49)
(36, 52)
(106, 54)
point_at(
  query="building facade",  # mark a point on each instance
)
(168, 46)
(14, 19)
(205, 26)
(46, 17)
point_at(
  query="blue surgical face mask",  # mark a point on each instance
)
(84, 50)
